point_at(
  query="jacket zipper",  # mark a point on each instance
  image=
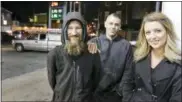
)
(109, 53)
(74, 81)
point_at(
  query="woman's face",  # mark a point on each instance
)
(155, 34)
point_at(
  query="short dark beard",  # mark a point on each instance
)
(75, 49)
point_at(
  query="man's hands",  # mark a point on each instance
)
(92, 47)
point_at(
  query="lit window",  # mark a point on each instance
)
(5, 22)
(58, 21)
(35, 18)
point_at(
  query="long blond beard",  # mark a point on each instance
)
(73, 49)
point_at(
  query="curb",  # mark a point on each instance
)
(7, 49)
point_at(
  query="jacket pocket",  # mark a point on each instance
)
(141, 96)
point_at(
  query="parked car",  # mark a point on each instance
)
(20, 34)
(37, 42)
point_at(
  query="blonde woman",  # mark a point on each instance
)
(157, 61)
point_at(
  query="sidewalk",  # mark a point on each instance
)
(6, 47)
(32, 86)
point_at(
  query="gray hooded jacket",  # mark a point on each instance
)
(73, 16)
(72, 79)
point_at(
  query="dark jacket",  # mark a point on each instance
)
(72, 78)
(116, 81)
(162, 85)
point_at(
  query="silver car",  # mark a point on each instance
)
(37, 42)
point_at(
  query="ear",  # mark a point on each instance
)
(105, 24)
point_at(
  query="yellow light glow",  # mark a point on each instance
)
(54, 4)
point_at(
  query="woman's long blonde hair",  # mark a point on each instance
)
(172, 53)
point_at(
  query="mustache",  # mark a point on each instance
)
(75, 49)
(74, 35)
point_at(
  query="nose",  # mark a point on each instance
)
(74, 32)
(153, 35)
(113, 26)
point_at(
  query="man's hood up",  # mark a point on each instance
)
(72, 16)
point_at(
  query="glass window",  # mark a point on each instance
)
(33, 37)
(54, 37)
(107, 3)
(42, 36)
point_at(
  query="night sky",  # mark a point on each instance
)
(22, 10)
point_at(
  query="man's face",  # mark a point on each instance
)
(74, 32)
(75, 43)
(112, 25)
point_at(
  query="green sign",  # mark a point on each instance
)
(56, 13)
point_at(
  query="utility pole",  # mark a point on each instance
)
(70, 6)
(157, 6)
(50, 21)
(80, 10)
(65, 9)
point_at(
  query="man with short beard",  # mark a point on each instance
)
(73, 72)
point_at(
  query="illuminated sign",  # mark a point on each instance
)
(56, 13)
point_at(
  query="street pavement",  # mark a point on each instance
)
(32, 86)
(24, 76)
(14, 63)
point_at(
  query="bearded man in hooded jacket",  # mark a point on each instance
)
(73, 72)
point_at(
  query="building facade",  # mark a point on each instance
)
(40, 19)
(6, 20)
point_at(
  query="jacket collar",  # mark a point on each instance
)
(162, 71)
(144, 71)
(117, 38)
